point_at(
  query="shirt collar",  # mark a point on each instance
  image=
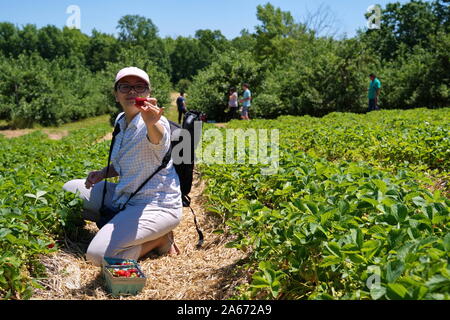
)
(135, 122)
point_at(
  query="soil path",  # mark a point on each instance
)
(20, 132)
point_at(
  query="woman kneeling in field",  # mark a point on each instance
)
(139, 148)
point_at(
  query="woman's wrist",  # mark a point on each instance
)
(155, 133)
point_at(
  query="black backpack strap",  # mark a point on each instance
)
(164, 163)
(187, 203)
(114, 134)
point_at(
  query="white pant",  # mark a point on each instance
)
(124, 235)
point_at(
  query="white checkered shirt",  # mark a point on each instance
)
(135, 158)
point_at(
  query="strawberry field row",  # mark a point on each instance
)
(341, 229)
(33, 207)
(417, 138)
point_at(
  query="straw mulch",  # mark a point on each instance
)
(209, 273)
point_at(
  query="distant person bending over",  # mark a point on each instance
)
(246, 102)
(232, 102)
(374, 92)
(181, 105)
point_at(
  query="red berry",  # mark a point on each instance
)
(51, 245)
(140, 101)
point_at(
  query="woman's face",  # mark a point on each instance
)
(129, 88)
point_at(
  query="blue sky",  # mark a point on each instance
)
(181, 17)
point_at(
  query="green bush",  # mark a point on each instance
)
(209, 89)
(34, 90)
(324, 76)
(418, 79)
(183, 85)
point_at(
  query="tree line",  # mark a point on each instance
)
(51, 75)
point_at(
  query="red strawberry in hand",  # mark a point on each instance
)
(140, 102)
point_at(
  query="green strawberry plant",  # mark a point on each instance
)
(34, 210)
(342, 209)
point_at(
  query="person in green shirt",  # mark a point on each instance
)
(374, 92)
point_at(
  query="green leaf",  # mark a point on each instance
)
(40, 193)
(232, 244)
(356, 258)
(312, 207)
(11, 238)
(396, 291)
(334, 248)
(377, 229)
(420, 292)
(381, 185)
(446, 242)
(275, 288)
(377, 292)
(373, 202)
(350, 248)
(330, 261)
(411, 195)
(419, 201)
(4, 232)
(438, 282)
(388, 201)
(400, 212)
(394, 270)
(259, 282)
(357, 237)
(369, 245)
(343, 206)
(326, 216)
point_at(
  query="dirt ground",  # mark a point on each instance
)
(20, 132)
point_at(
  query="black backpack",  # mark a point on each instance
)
(184, 170)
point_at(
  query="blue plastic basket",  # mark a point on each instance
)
(122, 285)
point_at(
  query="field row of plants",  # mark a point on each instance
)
(330, 224)
(326, 226)
(34, 210)
(418, 139)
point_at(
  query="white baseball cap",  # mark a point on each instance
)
(132, 71)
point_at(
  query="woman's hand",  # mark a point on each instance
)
(94, 177)
(150, 112)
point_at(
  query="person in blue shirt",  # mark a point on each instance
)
(374, 92)
(181, 105)
(245, 101)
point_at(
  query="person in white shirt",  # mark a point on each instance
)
(147, 221)
(232, 103)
